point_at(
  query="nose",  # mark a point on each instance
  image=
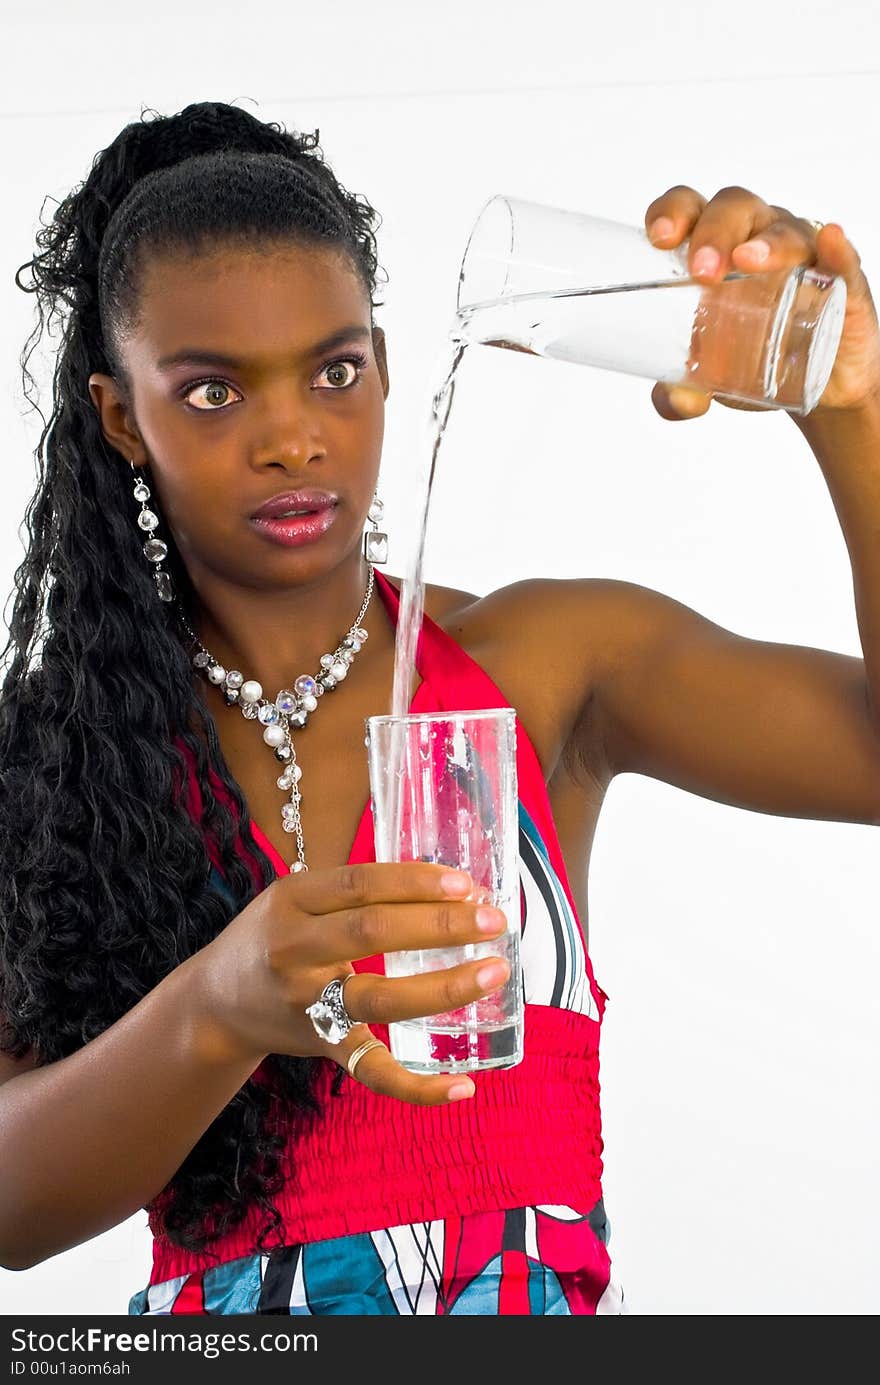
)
(288, 428)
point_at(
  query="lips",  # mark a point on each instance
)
(306, 501)
(304, 527)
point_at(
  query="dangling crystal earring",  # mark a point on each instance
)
(154, 549)
(375, 541)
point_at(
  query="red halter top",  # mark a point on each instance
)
(530, 1135)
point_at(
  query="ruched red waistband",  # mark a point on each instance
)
(530, 1135)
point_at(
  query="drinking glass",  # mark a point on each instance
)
(581, 288)
(444, 790)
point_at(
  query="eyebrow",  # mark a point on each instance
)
(193, 355)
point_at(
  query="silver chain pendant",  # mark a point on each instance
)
(289, 711)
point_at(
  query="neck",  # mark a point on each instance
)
(273, 637)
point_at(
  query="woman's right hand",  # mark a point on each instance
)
(275, 958)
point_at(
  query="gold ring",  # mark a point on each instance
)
(355, 1057)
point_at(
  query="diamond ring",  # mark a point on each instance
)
(330, 1019)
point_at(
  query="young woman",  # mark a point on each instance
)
(175, 898)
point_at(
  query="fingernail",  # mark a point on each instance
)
(706, 260)
(491, 920)
(460, 1091)
(455, 882)
(687, 402)
(759, 250)
(661, 228)
(493, 974)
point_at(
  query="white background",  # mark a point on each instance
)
(739, 949)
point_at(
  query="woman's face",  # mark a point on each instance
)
(238, 394)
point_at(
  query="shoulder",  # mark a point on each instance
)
(576, 595)
(607, 617)
(441, 603)
(576, 635)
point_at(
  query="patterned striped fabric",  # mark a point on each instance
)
(480, 1253)
(526, 1260)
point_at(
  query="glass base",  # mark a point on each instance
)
(425, 1048)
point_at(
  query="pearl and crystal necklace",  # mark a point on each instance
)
(290, 710)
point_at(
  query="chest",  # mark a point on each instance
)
(334, 786)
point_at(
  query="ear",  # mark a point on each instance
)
(117, 423)
(381, 358)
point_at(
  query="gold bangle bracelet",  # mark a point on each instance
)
(355, 1057)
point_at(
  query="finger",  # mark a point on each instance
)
(325, 891)
(677, 402)
(836, 254)
(780, 244)
(382, 1073)
(351, 934)
(669, 218)
(376, 999)
(734, 215)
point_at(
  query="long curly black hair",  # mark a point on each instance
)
(105, 885)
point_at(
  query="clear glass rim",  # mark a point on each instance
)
(478, 226)
(501, 714)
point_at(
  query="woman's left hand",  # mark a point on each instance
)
(737, 231)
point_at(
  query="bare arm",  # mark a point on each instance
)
(88, 1140)
(776, 728)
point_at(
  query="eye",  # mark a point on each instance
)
(357, 361)
(214, 395)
